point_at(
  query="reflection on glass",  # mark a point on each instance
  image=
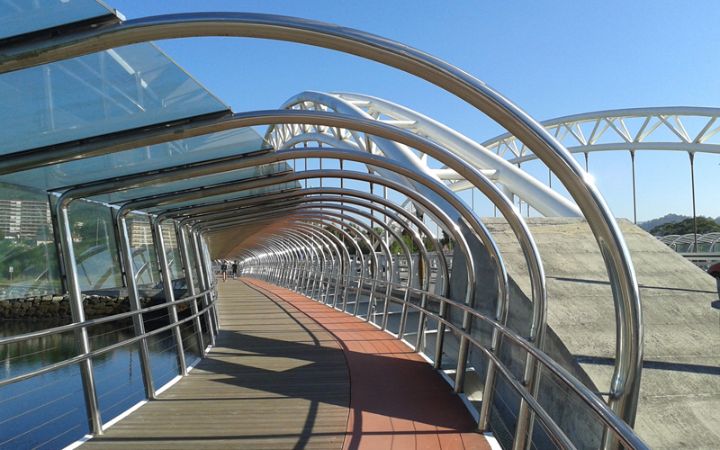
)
(48, 411)
(172, 251)
(20, 17)
(154, 157)
(103, 92)
(143, 251)
(28, 257)
(95, 247)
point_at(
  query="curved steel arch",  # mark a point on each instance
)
(340, 228)
(434, 186)
(539, 308)
(343, 196)
(626, 378)
(439, 188)
(322, 206)
(514, 180)
(326, 215)
(227, 210)
(691, 241)
(383, 130)
(369, 232)
(199, 170)
(334, 218)
(355, 197)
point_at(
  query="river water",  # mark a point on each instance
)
(48, 411)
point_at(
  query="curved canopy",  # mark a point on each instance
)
(107, 135)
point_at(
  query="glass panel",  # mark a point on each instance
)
(143, 251)
(45, 411)
(191, 183)
(154, 157)
(229, 197)
(20, 17)
(190, 343)
(103, 92)
(172, 253)
(164, 361)
(95, 247)
(28, 256)
(192, 263)
(118, 379)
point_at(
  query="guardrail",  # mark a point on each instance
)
(323, 285)
(200, 306)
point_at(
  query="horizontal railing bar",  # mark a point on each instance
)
(93, 322)
(621, 429)
(98, 352)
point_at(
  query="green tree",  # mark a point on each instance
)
(704, 225)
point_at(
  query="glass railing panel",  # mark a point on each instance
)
(95, 246)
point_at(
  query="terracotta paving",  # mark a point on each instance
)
(397, 400)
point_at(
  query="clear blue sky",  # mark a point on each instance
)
(552, 58)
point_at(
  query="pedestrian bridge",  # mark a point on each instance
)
(288, 372)
(375, 308)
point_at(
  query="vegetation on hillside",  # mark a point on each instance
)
(667, 218)
(704, 225)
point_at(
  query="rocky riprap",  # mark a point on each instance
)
(58, 306)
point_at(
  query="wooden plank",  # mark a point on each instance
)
(398, 401)
(275, 379)
(279, 378)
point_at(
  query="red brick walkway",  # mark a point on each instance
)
(398, 401)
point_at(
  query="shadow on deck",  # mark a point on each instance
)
(288, 372)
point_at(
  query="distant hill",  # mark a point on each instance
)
(668, 218)
(686, 226)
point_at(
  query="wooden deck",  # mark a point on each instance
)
(279, 379)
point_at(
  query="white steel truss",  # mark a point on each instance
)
(689, 129)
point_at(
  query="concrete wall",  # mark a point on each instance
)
(680, 391)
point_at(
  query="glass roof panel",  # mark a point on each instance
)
(229, 197)
(25, 16)
(193, 183)
(113, 90)
(154, 157)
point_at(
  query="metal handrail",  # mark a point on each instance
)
(93, 322)
(98, 352)
(621, 429)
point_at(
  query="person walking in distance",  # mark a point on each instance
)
(234, 269)
(223, 269)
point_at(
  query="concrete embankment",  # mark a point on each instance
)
(680, 391)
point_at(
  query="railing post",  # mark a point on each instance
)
(78, 316)
(55, 227)
(159, 244)
(134, 300)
